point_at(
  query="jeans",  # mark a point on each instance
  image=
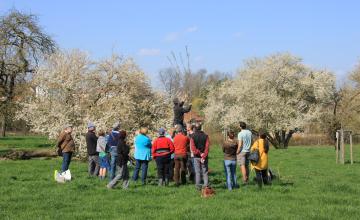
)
(144, 167)
(122, 173)
(163, 167)
(171, 169)
(190, 168)
(230, 173)
(113, 161)
(93, 165)
(180, 169)
(201, 170)
(262, 177)
(66, 161)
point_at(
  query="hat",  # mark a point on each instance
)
(162, 131)
(116, 125)
(91, 125)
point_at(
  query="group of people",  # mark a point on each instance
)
(180, 152)
(237, 150)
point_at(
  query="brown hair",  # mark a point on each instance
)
(101, 132)
(231, 134)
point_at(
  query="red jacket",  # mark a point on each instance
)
(181, 144)
(162, 146)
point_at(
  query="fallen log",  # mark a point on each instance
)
(28, 154)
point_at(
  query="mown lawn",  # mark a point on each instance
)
(311, 186)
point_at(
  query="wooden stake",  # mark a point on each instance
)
(342, 148)
(337, 147)
(351, 149)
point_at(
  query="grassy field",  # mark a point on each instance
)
(311, 186)
(24, 143)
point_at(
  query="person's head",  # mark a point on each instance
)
(262, 134)
(162, 132)
(231, 135)
(179, 128)
(143, 131)
(172, 131)
(198, 126)
(101, 133)
(242, 125)
(68, 128)
(91, 126)
(116, 126)
(176, 101)
(122, 134)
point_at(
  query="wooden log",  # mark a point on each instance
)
(337, 147)
(342, 148)
(26, 154)
(351, 149)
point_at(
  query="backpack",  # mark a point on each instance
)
(207, 192)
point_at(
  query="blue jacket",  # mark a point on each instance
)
(113, 139)
(142, 147)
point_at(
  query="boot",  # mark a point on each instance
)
(160, 182)
(166, 181)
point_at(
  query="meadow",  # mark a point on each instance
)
(309, 185)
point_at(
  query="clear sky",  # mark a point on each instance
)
(219, 34)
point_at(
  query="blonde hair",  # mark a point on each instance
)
(143, 130)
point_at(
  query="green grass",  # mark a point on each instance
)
(311, 186)
(24, 143)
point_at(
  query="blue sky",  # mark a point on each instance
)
(219, 34)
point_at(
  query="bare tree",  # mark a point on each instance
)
(171, 81)
(22, 45)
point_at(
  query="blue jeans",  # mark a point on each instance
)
(230, 173)
(144, 167)
(66, 161)
(113, 162)
(201, 172)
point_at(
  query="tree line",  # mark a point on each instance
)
(46, 87)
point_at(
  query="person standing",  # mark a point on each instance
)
(190, 156)
(243, 150)
(142, 155)
(171, 135)
(162, 149)
(123, 158)
(229, 148)
(181, 145)
(103, 159)
(199, 144)
(93, 155)
(66, 145)
(179, 111)
(261, 167)
(112, 143)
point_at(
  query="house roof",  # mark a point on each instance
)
(193, 115)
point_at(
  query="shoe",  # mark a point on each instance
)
(160, 183)
(55, 174)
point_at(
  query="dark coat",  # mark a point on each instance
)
(91, 142)
(123, 150)
(179, 112)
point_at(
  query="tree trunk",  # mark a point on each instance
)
(3, 127)
(282, 138)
